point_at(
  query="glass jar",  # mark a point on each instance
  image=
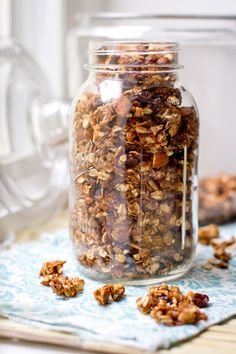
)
(33, 143)
(133, 153)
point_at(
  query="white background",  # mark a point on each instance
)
(41, 25)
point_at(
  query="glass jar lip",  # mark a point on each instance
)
(106, 15)
(132, 47)
(138, 56)
(130, 69)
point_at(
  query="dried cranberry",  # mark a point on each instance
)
(137, 62)
(131, 161)
(164, 297)
(200, 300)
(156, 104)
(150, 60)
(132, 121)
(143, 97)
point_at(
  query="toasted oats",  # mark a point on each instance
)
(168, 305)
(114, 291)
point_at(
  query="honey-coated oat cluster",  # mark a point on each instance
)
(209, 235)
(168, 305)
(133, 165)
(51, 274)
(115, 291)
(217, 199)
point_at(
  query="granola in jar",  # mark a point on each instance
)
(134, 141)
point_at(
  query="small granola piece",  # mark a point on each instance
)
(217, 197)
(117, 292)
(102, 295)
(220, 251)
(64, 286)
(54, 267)
(207, 233)
(208, 265)
(50, 270)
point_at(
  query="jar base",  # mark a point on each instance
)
(176, 274)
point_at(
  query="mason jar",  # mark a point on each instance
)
(133, 157)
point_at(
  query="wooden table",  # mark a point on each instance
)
(217, 339)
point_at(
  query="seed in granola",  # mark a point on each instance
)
(120, 258)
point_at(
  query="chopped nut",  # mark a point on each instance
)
(159, 160)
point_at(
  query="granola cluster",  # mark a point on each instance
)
(217, 199)
(134, 155)
(51, 275)
(114, 291)
(209, 235)
(168, 305)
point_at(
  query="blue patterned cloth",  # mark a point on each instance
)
(23, 299)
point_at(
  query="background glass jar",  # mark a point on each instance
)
(134, 151)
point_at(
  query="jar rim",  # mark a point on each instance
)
(133, 56)
(132, 47)
(127, 69)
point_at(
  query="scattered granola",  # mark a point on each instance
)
(115, 291)
(51, 275)
(50, 270)
(67, 287)
(217, 199)
(207, 233)
(134, 157)
(168, 305)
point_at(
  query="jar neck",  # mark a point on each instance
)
(134, 56)
(138, 61)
